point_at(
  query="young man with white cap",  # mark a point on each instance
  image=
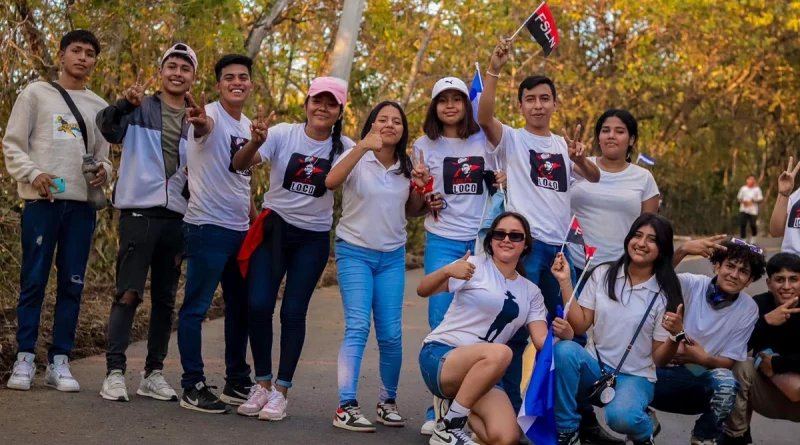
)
(453, 149)
(291, 238)
(150, 195)
(217, 219)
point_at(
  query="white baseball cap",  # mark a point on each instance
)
(449, 83)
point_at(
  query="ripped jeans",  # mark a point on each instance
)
(711, 394)
(68, 225)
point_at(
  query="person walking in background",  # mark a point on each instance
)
(44, 146)
(149, 193)
(749, 197)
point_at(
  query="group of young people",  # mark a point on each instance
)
(658, 340)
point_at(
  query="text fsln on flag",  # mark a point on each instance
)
(542, 27)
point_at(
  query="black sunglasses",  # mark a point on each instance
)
(514, 237)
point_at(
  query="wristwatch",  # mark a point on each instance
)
(678, 338)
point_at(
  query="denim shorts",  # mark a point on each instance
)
(431, 360)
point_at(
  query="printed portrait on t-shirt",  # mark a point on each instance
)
(463, 176)
(306, 175)
(236, 144)
(794, 216)
(549, 171)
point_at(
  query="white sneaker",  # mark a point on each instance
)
(24, 370)
(259, 396)
(276, 407)
(58, 375)
(114, 387)
(428, 427)
(156, 387)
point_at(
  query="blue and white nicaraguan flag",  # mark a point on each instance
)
(646, 160)
(537, 416)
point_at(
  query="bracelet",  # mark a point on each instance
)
(424, 190)
(489, 73)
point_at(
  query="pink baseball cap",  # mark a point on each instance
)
(183, 50)
(333, 85)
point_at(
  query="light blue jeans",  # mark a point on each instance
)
(372, 284)
(576, 371)
(440, 252)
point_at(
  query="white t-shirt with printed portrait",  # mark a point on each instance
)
(299, 166)
(791, 236)
(457, 167)
(219, 194)
(539, 171)
(615, 322)
(488, 307)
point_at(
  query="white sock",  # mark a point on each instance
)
(456, 411)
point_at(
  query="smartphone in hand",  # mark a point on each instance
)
(61, 184)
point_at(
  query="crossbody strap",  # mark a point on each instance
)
(75, 113)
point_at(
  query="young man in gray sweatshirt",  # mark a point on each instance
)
(43, 148)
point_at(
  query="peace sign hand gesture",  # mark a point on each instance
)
(196, 114)
(576, 148)
(260, 126)
(782, 313)
(420, 173)
(786, 179)
(135, 94)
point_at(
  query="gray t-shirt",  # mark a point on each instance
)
(171, 125)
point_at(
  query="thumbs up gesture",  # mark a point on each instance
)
(373, 141)
(461, 269)
(782, 313)
(135, 94)
(673, 321)
(260, 126)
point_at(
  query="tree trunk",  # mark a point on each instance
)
(423, 48)
(345, 46)
(261, 28)
(37, 47)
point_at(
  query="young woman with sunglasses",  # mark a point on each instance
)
(371, 258)
(465, 357)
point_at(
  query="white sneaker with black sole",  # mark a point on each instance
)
(451, 432)
(114, 387)
(200, 398)
(156, 387)
(349, 418)
(59, 376)
(22, 376)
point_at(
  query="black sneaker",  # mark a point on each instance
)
(656, 424)
(349, 417)
(568, 438)
(451, 432)
(591, 433)
(730, 440)
(235, 394)
(200, 398)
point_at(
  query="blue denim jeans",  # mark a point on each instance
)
(45, 225)
(305, 255)
(211, 260)
(711, 394)
(440, 252)
(576, 371)
(537, 266)
(372, 285)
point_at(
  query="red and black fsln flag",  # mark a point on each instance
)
(575, 236)
(542, 27)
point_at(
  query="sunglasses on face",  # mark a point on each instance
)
(752, 247)
(514, 237)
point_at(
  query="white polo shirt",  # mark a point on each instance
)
(297, 176)
(791, 237)
(615, 322)
(374, 205)
(539, 172)
(721, 332)
(457, 167)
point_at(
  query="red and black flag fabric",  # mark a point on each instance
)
(575, 236)
(542, 27)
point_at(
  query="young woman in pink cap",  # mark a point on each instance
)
(291, 238)
(454, 152)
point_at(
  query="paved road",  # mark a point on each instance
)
(46, 416)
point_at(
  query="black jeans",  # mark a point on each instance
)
(146, 241)
(746, 219)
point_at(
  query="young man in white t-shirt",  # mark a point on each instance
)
(217, 220)
(719, 318)
(785, 219)
(749, 197)
(539, 167)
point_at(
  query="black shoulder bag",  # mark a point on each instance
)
(602, 391)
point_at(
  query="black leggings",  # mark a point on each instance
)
(744, 220)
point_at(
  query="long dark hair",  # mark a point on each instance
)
(662, 267)
(337, 147)
(402, 144)
(630, 123)
(487, 242)
(434, 128)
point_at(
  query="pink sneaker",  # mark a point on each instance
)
(276, 407)
(259, 396)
